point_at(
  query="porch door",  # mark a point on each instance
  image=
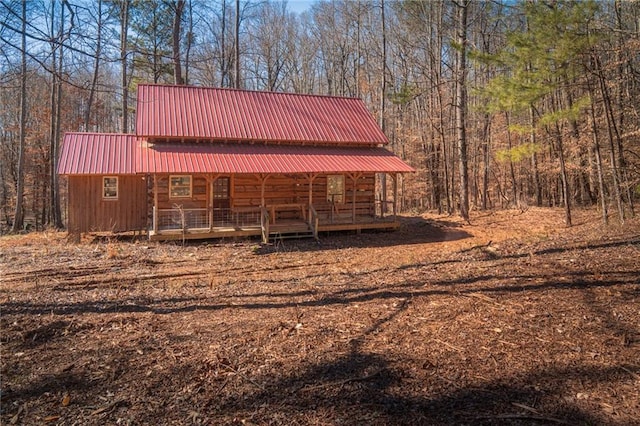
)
(221, 202)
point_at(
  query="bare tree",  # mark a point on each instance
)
(124, 39)
(18, 218)
(178, 8)
(461, 105)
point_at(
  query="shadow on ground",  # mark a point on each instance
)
(413, 230)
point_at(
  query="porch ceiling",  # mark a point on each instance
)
(246, 158)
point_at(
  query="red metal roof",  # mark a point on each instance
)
(185, 112)
(259, 158)
(97, 153)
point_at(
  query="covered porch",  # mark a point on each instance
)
(217, 190)
(271, 206)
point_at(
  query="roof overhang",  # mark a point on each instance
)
(98, 154)
(259, 158)
(121, 154)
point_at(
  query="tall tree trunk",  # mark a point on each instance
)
(534, 158)
(596, 149)
(124, 30)
(461, 106)
(96, 70)
(485, 160)
(383, 89)
(610, 125)
(564, 179)
(187, 54)
(53, 95)
(18, 218)
(175, 38)
(223, 47)
(55, 184)
(237, 47)
(512, 172)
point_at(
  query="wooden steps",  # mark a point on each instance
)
(291, 229)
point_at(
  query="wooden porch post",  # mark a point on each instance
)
(354, 179)
(311, 178)
(211, 180)
(263, 181)
(395, 194)
(155, 203)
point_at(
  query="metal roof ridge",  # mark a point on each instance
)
(233, 89)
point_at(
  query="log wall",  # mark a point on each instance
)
(246, 191)
(282, 189)
(199, 194)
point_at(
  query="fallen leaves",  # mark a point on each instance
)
(405, 327)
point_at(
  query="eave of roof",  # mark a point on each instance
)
(260, 158)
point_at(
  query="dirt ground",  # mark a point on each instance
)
(512, 319)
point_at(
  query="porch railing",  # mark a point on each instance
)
(203, 218)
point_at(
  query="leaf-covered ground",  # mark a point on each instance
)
(513, 319)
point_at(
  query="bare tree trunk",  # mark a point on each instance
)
(56, 212)
(223, 47)
(596, 149)
(534, 158)
(96, 70)
(383, 89)
(619, 126)
(237, 46)
(187, 55)
(175, 38)
(53, 95)
(461, 107)
(512, 172)
(610, 125)
(485, 161)
(563, 176)
(124, 29)
(18, 218)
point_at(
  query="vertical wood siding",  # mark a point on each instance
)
(88, 211)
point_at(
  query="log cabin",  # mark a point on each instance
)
(211, 162)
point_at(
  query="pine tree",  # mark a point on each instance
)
(540, 63)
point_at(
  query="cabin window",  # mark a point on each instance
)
(180, 186)
(110, 187)
(335, 188)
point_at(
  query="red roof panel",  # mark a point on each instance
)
(97, 153)
(187, 112)
(246, 158)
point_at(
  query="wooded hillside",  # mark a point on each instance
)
(496, 104)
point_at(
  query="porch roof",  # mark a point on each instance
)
(259, 158)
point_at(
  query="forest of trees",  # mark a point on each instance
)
(496, 104)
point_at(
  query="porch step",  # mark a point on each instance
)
(290, 231)
(289, 236)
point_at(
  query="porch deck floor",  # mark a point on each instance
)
(281, 227)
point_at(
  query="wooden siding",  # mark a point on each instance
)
(199, 193)
(88, 211)
(282, 189)
(246, 191)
